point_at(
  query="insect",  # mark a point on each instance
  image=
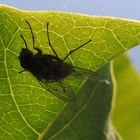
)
(48, 69)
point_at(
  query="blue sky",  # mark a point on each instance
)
(126, 9)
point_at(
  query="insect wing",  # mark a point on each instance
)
(60, 89)
(81, 73)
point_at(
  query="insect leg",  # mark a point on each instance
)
(72, 51)
(24, 41)
(50, 41)
(22, 71)
(33, 39)
(61, 86)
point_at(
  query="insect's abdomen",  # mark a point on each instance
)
(57, 71)
(51, 69)
(62, 70)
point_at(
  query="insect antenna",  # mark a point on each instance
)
(50, 41)
(33, 39)
(24, 41)
(72, 51)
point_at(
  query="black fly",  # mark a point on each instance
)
(49, 69)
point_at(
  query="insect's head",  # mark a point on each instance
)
(25, 53)
(25, 56)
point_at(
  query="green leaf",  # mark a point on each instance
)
(27, 111)
(127, 112)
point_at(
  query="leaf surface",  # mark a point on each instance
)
(27, 111)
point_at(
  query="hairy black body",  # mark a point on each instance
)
(49, 69)
(44, 66)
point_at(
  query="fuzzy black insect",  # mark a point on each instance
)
(49, 69)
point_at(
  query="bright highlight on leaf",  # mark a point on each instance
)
(27, 111)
